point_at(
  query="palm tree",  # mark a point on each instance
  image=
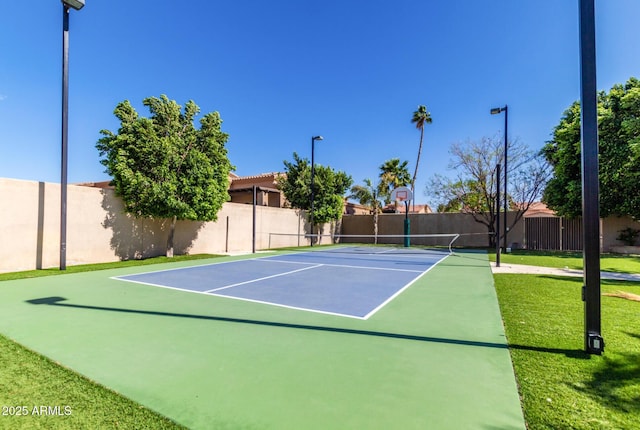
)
(369, 195)
(420, 118)
(393, 174)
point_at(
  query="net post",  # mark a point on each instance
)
(407, 226)
(455, 237)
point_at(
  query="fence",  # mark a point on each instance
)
(553, 233)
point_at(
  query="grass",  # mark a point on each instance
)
(560, 385)
(99, 266)
(571, 260)
(28, 379)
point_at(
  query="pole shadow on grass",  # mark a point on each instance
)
(58, 301)
(616, 382)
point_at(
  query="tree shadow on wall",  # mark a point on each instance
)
(138, 238)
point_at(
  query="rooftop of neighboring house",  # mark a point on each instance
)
(269, 181)
(539, 209)
(264, 180)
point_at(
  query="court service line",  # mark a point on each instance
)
(401, 290)
(281, 305)
(263, 278)
(349, 266)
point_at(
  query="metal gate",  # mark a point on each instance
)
(553, 233)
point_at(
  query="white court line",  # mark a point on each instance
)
(263, 278)
(280, 305)
(397, 293)
(186, 290)
(215, 263)
(271, 259)
(350, 267)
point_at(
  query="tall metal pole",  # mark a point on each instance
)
(313, 171)
(496, 111)
(253, 228)
(506, 196)
(594, 343)
(65, 125)
(498, 215)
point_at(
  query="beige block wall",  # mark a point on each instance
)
(29, 224)
(98, 230)
(611, 227)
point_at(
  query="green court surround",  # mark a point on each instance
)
(433, 358)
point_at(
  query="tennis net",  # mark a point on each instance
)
(365, 243)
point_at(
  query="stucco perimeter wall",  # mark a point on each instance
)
(98, 230)
(610, 230)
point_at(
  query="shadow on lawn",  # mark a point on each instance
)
(616, 383)
(571, 353)
(57, 301)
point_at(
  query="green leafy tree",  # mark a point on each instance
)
(393, 174)
(420, 118)
(473, 189)
(330, 188)
(163, 167)
(619, 155)
(369, 195)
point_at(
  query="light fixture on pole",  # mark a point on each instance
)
(313, 171)
(77, 5)
(496, 111)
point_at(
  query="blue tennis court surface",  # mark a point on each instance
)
(350, 282)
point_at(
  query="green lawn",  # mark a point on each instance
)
(100, 266)
(560, 385)
(31, 380)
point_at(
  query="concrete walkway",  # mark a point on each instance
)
(537, 270)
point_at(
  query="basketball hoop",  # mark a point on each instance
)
(401, 194)
(404, 194)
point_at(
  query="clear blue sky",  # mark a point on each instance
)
(282, 71)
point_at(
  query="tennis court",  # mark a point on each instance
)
(343, 339)
(347, 281)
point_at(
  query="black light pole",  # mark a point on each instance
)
(77, 5)
(313, 172)
(496, 111)
(498, 215)
(594, 344)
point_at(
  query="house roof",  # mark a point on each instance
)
(539, 209)
(262, 177)
(100, 184)
(234, 180)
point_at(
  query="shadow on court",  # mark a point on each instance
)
(58, 301)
